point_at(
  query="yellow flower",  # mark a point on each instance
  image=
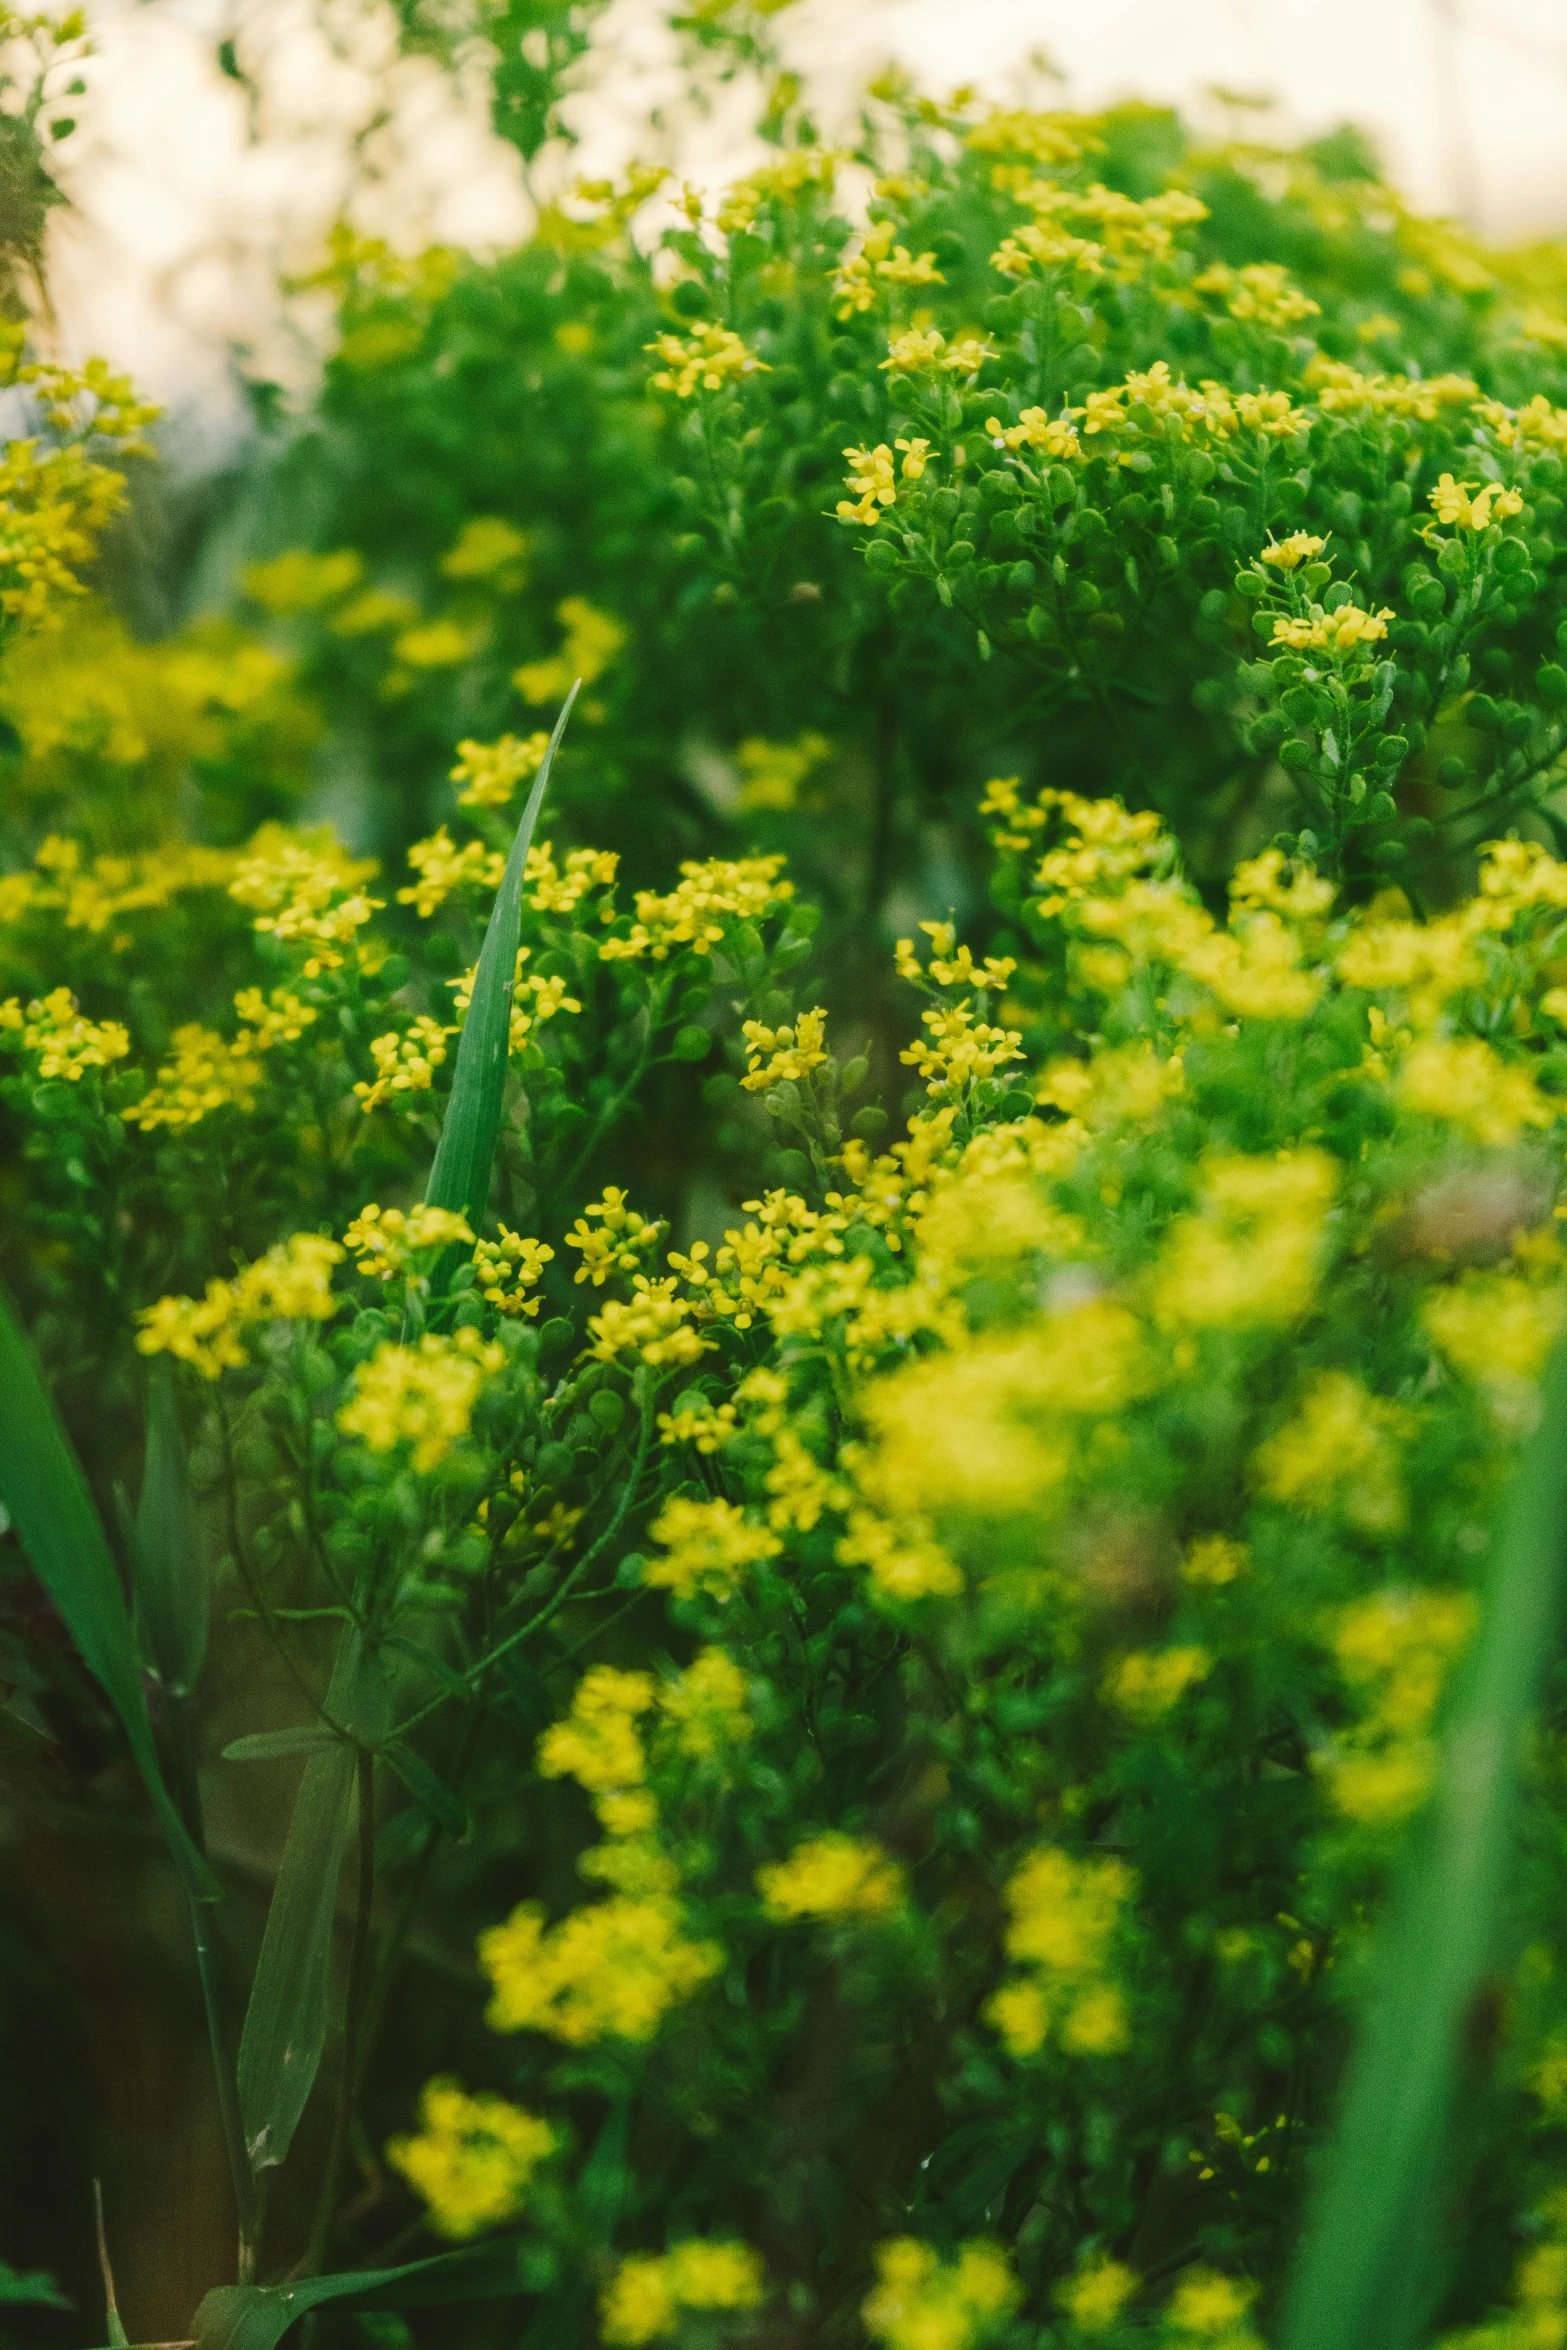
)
(780, 1053)
(384, 1241)
(420, 1395)
(774, 772)
(921, 2302)
(1214, 1560)
(597, 1744)
(67, 1045)
(611, 1971)
(694, 914)
(1288, 553)
(1064, 1917)
(405, 1063)
(1095, 2296)
(644, 2299)
(490, 772)
(1148, 1683)
(1339, 1453)
(707, 1705)
(1466, 1081)
(593, 639)
(473, 2158)
(1462, 504)
(1348, 630)
(903, 1557)
(292, 1282)
(1249, 1257)
(706, 1546)
(1205, 2304)
(705, 360)
(832, 1876)
(508, 1268)
(486, 546)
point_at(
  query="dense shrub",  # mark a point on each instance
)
(892, 1548)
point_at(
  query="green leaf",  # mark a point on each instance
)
(465, 1155)
(273, 1745)
(427, 1790)
(285, 2030)
(170, 1578)
(42, 1487)
(31, 2287)
(252, 2317)
(1369, 2261)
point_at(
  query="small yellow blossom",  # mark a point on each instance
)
(593, 638)
(508, 1268)
(420, 1395)
(1209, 2306)
(705, 360)
(291, 1283)
(791, 1052)
(832, 1876)
(1348, 630)
(707, 1705)
(1468, 507)
(610, 1971)
(1300, 547)
(473, 2158)
(695, 913)
(490, 772)
(1095, 2295)
(66, 1044)
(921, 2302)
(1147, 1684)
(1065, 1914)
(706, 1546)
(385, 1241)
(1339, 1453)
(405, 1063)
(1465, 1081)
(648, 2293)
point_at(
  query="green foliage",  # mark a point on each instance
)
(888, 1486)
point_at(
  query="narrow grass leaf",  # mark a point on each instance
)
(285, 2030)
(465, 1155)
(256, 2317)
(1374, 2229)
(172, 1604)
(45, 1492)
(427, 1789)
(275, 1745)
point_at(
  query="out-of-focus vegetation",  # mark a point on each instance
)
(796, 1523)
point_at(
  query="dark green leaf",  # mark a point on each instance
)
(32, 2287)
(252, 2317)
(170, 1576)
(42, 1487)
(428, 1790)
(272, 1745)
(465, 1155)
(1365, 2269)
(286, 2022)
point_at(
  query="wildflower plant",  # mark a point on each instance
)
(844, 1357)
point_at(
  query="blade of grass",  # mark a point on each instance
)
(281, 2047)
(234, 2318)
(465, 1155)
(42, 1487)
(1359, 2278)
(168, 1572)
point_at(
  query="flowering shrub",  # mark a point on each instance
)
(907, 1639)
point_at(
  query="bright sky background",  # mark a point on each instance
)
(182, 219)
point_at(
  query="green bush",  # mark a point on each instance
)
(861, 1412)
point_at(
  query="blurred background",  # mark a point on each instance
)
(220, 138)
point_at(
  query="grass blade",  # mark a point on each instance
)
(42, 1487)
(172, 1604)
(465, 1155)
(1359, 2282)
(281, 2046)
(256, 2318)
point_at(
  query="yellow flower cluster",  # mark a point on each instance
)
(508, 1268)
(705, 360)
(1341, 390)
(1249, 1257)
(443, 867)
(705, 1546)
(489, 773)
(706, 1706)
(67, 1045)
(593, 638)
(1147, 1684)
(305, 891)
(880, 263)
(1395, 1649)
(772, 773)
(924, 348)
(204, 1073)
(1210, 2309)
(1465, 1081)
(872, 478)
(1064, 1916)
(1052, 437)
(1467, 506)
(92, 895)
(621, 1243)
(789, 1053)
(1497, 1329)
(405, 1063)
(610, 1971)
(960, 1050)
(1340, 1454)
(695, 1421)
(1288, 554)
(386, 1241)
(291, 1283)
(473, 2159)
(598, 1746)
(709, 894)
(1094, 2296)
(832, 1876)
(1347, 631)
(921, 2302)
(654, 1323)
(420, 1395)
(649, 2292)
(535, 999)
(560, 891)
(280, 1018)
(1260, 294)
(951, 965)
(1152, 397)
